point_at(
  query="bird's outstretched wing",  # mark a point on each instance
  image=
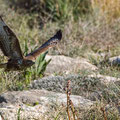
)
(50, 43)
(9, 43)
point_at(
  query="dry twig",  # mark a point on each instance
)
(104, 113)
(70, 103)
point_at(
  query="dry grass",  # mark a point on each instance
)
(108, 8)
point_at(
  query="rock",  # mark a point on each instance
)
(63, 64)
(36, 104)
(114, 61)
(94, 85)
(105, 79)
(79, 84)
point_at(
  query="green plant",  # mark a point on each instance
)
(18, 114)
(63, 10)
(39, 68)
(54, 9)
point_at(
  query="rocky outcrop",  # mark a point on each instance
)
(63, 64)
(95, 86)
(78, 83)
(37, 104)
(45, 104)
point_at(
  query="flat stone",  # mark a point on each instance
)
(66, 65)
(36, 104)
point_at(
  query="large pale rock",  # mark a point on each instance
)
(79, 84)
(36, 104)
(63, 64)
(91, 86)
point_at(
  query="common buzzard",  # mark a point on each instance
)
(9, 45)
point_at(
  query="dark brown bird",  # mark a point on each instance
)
(9, 45)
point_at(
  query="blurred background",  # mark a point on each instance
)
(90, 27)
(87, 25)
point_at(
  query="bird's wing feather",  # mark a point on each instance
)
(9, 43)
(50, 43)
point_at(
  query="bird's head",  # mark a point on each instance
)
(55, 39)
